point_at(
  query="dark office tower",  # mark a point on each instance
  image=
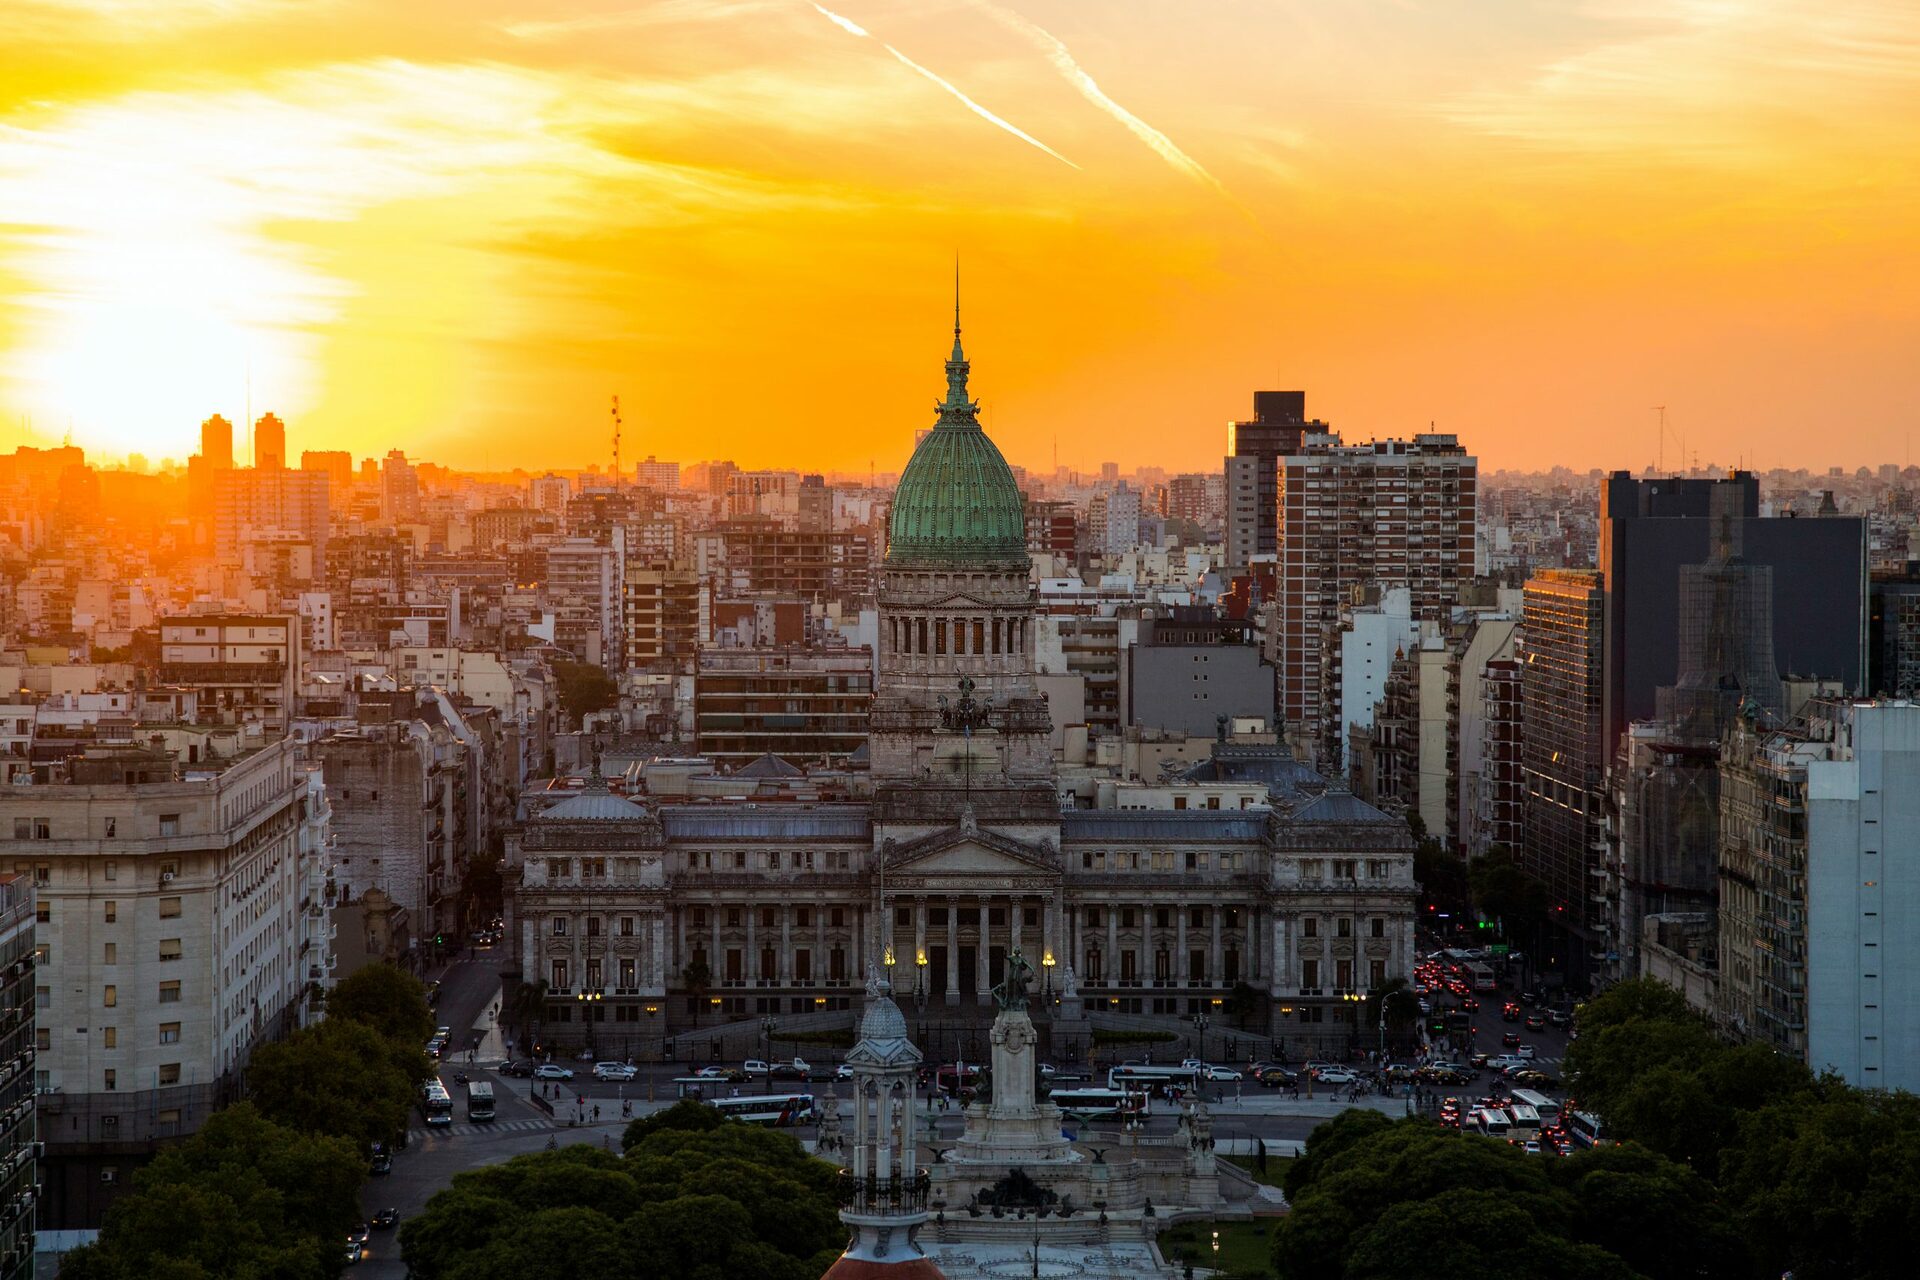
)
(216, 443)
(269, 443)
(1893, 626)
(1562, 766)
(1651, 529)
(1726, 640)
(1254, 449)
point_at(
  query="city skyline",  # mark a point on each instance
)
(459, 232)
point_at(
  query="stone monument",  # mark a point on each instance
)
(1014, 1129)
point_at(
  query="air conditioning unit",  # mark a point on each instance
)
(109, 1174)
(166, 877)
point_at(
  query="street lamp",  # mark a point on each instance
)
(920, 980)
(1046, 966)
(587, 999)
(1200, 1024)
(766, 1050)
(887, 958)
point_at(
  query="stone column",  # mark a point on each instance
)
(822, 966)
(1112, 976)
(716, 959)
(785, 966)
(752, 969)
(656, 926)
(1216, 967)
(1180, 947)
(982, 970)
(1016, 907)
(953, 950)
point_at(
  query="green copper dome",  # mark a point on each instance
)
(957, 503)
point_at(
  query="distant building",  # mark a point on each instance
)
(269, 443)
(336, 465)
(654, 474)
(1279, 428)
(399, 488)
(1184, 682)
(800, 705)
(245, 668)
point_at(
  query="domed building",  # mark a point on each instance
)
(675, 930)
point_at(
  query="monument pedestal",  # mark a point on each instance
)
(1014, 1130)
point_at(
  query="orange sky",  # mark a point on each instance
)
(458, 226)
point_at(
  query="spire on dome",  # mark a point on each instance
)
(957, 410)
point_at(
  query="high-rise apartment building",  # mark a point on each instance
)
(19, 1041)
(336, 465)
(216, 443)
(1562, 761)
(1279, 427)
(269, 443)
(399, 488)
(654, 474)
(181, 921)
(801, 705)
(1392, 513)
(253, 501)
(583, 586)
(662, 603)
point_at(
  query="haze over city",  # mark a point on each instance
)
(459, 228)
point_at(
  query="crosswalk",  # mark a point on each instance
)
(468, 1130)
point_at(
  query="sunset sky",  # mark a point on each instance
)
(457, 227)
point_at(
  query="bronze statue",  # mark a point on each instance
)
(1012, 991)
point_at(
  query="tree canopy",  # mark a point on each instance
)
(243, 1197)
(702, 1203)
(390, 1000)
(584, 689)
(338, 1077)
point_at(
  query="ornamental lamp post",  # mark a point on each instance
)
(766, 1050)
(1046, 966)
(920, 980)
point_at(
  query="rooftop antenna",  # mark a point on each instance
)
(616, 442)
(1660, 451)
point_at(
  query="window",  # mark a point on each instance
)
(113, 829)
(42, 873)
(559, 868)
(42, 1038)
(170, 1115)
(112, 869)
(111, 1079)
(1162, 918)
(111, 997)
(109, 1037)
(1377, 926)
(42, 829)
(169, 1073)
(43, 912)
(559, 926)
(1310, 927)
(170, 993)
(560, 982)
(112, 955)
(626, 931)
(593, 926)
(1310, 974)
(1197, 918)
(169, 824)
(169, 948)
(23, 828)
(42, 997)
(1093, 917)
(112, 909)
(169, 1033)
(1344, 927)
(169, 908)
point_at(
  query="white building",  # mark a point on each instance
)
(1863, 899)
(174, 936)
(1370, 639)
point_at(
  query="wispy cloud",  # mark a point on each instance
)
(659, 13)
(854, 28)
(1064, 62)
(1726, 81)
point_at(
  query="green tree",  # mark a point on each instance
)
(1443, 880)
(390, 1000)
(686, 1116)
(584, 689)
(1346, 1130)
(243, 1197)
(1400, 1005)
(702, 1203)
(1243, 1002)
(1826, 1183)
(697, 977)
(1473, 1235)
(1503, 891)
(1659, 1217)
(339, 1077)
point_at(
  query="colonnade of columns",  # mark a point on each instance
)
(918, 944)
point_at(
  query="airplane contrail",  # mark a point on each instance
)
(1063, 61)
(854, 28)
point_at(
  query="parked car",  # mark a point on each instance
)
(552, 1071)
(754, 1067)
(1221, 1073)
(613, 1071)
(795, 1070)
(1276, 1077)
(733, 1075)
(380, 1165)
(517, 1067)
(843, 1072)
(1335, 1075)
(386, 1219)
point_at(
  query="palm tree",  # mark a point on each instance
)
(529, 1005)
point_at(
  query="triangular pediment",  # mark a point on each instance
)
(958, 600)
(957, 851)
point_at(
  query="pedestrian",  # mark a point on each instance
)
(596, 1113)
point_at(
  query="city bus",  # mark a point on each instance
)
(1546, 1108)
(1138, 1077)
(698, 1086)
(1481, 976)
(1099, 1104)
(779, 1110)
(1523, 1122)
(958, 1077)
(479, 1100)
(436, 1104)
(1492, 1122)
(1585, 1130)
